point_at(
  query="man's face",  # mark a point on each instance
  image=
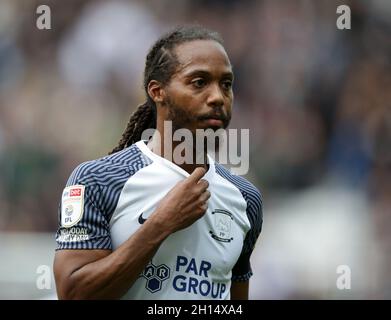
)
(199, 94)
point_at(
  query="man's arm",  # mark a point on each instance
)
(94, 274)
(239, 290)
(102, 274)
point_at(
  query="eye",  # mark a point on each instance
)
(227, 84)
(199, 83)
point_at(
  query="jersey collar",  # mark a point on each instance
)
(142, 145)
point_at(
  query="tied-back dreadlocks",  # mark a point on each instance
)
(160, 65)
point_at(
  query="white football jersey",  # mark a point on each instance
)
(107, 200)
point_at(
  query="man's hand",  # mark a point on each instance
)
(183, 204)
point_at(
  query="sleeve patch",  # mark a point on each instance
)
(72, 205)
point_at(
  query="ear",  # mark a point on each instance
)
(156, 91)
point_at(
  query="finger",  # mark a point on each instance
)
(200, 187)
(197, 174)
(204, 207)
(203, 184)
(205, 196)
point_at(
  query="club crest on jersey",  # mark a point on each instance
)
(72, 205)
(222, 225)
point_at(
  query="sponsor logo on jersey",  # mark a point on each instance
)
(72, 205)
(155, 276)
(73, 234)
(194, 278)
(222, 225)
(189, 276)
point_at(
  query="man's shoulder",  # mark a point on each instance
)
(122, 163)
(250, 193)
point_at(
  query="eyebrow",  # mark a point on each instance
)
(206, 73)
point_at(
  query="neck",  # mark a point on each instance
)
(183, 153)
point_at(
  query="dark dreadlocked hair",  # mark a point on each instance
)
(160, 65)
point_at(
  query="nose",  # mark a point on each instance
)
(215, 97)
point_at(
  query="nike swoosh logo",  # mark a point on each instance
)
(141, 220)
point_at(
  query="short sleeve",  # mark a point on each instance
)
(82, 222)
(242, 270)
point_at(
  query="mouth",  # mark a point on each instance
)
(213, 122)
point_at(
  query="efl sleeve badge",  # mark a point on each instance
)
(72, 205)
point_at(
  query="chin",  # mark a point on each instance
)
(215, 128)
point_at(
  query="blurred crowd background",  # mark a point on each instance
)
(316, 99)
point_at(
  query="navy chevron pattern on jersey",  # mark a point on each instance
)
(103, 179)
(242, 270)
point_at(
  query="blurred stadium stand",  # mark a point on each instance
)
(21, 256)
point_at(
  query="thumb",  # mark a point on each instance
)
(197, 174)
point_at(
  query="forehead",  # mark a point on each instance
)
(207, 55)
